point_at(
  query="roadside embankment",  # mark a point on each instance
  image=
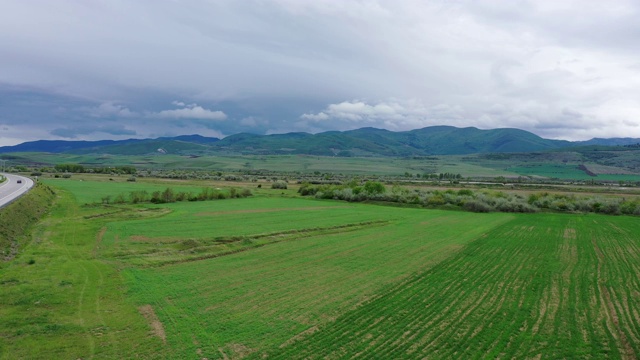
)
(17, 219)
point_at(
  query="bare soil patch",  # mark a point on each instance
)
(299, 336)
(154, 322)
(570, 234)
(99, 237)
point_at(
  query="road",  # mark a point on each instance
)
(11, 189)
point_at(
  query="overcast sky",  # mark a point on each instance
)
(115, 69)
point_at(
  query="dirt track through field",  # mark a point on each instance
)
(154, 322)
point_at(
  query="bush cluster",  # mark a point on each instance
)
(171, 196)
(479, 201)
(279, 184)
(78, 168)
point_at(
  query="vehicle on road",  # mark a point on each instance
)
(19, 181)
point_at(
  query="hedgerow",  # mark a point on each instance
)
(476, 201)
(171, 196)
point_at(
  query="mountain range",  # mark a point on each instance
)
(434, 140)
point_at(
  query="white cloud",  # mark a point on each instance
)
(191, 111)
(465, 63)
(110, 109)
(392, 114)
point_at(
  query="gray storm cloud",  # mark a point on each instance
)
(559, 69)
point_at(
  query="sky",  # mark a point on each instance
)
(118, 69)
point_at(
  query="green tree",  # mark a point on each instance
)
(374, 187)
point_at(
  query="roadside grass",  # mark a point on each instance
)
(18, 218)
(58, 301)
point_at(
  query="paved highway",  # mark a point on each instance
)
(12, 189)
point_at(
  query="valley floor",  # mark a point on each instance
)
(286, 277)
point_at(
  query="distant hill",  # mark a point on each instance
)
(115, 147)
(434, 140)
(59, 146)
(610, 142)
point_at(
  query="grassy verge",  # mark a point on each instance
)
(17, 219)
(58, 301)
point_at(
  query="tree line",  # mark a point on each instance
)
(78, 168)
(169, 195)
(475, 201)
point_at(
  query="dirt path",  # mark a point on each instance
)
(154, 322)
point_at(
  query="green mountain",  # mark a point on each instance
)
(434, 140)
(146, 146)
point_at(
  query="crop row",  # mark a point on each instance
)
(541, 286)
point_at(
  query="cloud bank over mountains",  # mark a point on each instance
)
(118, 69)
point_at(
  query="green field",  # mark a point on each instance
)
(568, 172)
(288, 277)
(277, 163)
(608, 165)
(538, 286)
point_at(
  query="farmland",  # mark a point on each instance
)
(538, 286)
(610, 165)
(288, 277)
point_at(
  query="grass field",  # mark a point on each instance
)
(282, 163)
(568, 172)
(287, 277)
(91, 189)
(540, 286)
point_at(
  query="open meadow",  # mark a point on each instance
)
(279, 276)
(592, 166)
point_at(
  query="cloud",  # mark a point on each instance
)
(75, 132)
(407, 63)
(392, 114)
(359, 111)
(110, 109)
(191, 111)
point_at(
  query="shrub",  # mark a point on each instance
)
(628, 207)
(436, 200)
(477, 206)
(138, 196)
(465, 192)
(374, 187)
(514, 206)
(610, 208)
(279, 185)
